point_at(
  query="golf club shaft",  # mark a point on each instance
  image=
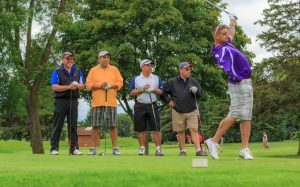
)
(222, 9)
(70, 125)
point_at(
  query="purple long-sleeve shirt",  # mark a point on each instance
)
(232, 61)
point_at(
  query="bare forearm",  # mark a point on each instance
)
(60, 88)
(231, 29)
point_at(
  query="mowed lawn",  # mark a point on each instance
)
(277, 167)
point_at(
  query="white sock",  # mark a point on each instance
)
(158, 148)
(142, 147)
(183, 150)
(199, 149)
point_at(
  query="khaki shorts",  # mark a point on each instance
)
(182, 121)
(241, 96)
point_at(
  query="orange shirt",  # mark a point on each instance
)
(97, 75)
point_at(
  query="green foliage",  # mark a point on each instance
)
(125, 126)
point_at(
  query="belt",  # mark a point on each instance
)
(245, 81)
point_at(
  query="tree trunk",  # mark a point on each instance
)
(34, 121)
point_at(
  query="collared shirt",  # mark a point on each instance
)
(98, 75)
(178, 90)
(232, 61)
(55, 78)
(139, 81)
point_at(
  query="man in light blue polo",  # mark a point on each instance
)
(236, 65)
(145, 87)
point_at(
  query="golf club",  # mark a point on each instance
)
(222, 9)
(103, 153)
(70, 125)
(200, 120)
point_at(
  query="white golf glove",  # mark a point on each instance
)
(107, 87)
(149, 90)
(232, 17)
(194, 89)
(75, 83)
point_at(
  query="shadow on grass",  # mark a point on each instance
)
(285, 156)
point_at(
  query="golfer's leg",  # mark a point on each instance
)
(195, 137)
(157, 138)
(60, 112)
(225, 124)
(142, 138)
(114, 136)
(181, 140)
(245, 128)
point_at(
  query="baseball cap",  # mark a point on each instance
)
(184, 65)
(66, 54)
(146, 61)
(103, 53)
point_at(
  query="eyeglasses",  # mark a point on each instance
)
(187, 69)
(220, 26)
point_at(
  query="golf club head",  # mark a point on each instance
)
(102, 153)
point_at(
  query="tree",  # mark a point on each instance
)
(277, 79)
(165, 31)
(30, 53)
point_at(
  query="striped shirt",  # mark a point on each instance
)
(232, 61)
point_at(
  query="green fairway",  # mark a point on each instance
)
(277, 167)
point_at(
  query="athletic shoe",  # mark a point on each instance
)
(76, 152)
(246, 154)
(159, 152)
(201, 153)
(116, 152)
(212, 148)
(54, 152)
(92, 151)
(142, 152)
(182, 153)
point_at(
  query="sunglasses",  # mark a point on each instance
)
(187, 69)
(220, 26)
(69, 58)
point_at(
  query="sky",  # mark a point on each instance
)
(247, 11)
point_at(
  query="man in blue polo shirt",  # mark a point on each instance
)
(236, 65)
(66, 82)
(145, 87)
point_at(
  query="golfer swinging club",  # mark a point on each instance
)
(146, 115)
(236, 65)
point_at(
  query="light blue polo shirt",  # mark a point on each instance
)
(139, 81)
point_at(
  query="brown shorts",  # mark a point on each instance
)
(182, 121)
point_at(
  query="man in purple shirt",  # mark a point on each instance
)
(236, 65)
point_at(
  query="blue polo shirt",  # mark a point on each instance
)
(232, 61)
(139, 81)
(55, 79)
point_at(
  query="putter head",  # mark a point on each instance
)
(102, 153)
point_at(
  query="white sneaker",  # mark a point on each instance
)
(142, 151)
(76, 152)
(212, 148)
(92, 151)
(246, 154)
(116, 151)
(54, 152)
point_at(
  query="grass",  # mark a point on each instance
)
(277, 167)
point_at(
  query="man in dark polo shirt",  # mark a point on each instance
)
(181, 92)
(66, 82)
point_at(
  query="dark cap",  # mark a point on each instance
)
(66, 54)
(184, 65)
